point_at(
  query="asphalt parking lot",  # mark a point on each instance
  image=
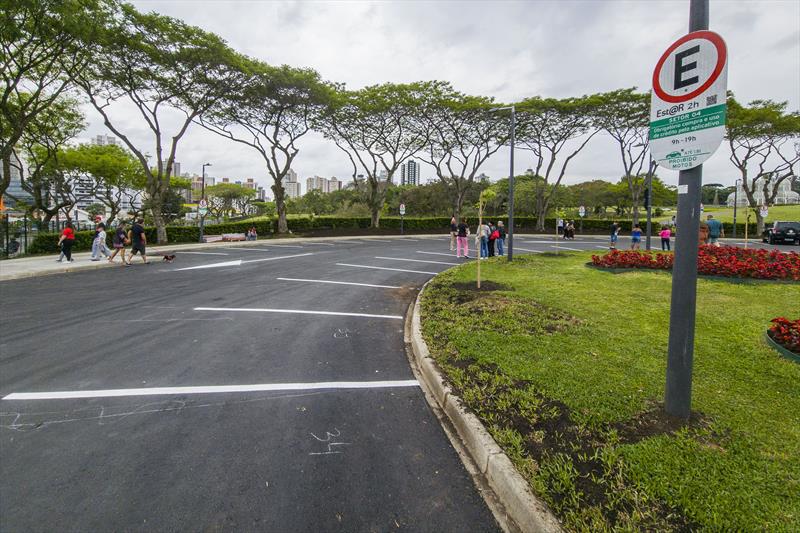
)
(248, 388)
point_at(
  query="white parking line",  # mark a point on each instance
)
(240, 262)
(282, 245)
(350, 242)
(408, 240)
(279, 257)
(250, 249)
(386, 268)
(565, 248)
(452, 254)
(203, 253)
(340, 283)
(417, 260)
(374, 240)
(293, 312)
(320, 243)
(601, 247)
(528, 250)
(213, 389)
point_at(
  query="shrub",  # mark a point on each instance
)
(786, 333)
(727, 261)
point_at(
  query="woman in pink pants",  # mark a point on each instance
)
(463, 233)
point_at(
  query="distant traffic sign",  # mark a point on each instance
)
(764, 211)
(202, 207)
(688, 107)
(402, 209)
(582, 211)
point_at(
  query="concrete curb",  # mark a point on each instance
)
(522, 507)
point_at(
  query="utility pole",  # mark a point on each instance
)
(683, 308)
(735, 203)
(201, 207)
(512, 142)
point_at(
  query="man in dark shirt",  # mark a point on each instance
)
(138, 240)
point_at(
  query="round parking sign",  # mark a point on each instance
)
(688, 106)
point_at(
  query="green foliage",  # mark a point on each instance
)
(581, 419)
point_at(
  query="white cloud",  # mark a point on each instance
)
(508, 50)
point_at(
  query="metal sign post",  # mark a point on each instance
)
(402, 216)
(581, 213)
(687, 124)
(202, 209)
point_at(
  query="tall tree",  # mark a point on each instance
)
(43, 44)
(377, 127)
(171, 73)
(43, 142)
(228, 198)
(765, 146)
(547, 127)
(461, 135)
(625, 115)
(115, 175)
(270, 114)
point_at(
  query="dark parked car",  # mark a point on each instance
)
(782, 232)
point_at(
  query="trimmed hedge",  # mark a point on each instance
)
(46, 243)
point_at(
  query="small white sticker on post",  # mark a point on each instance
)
(683, 189)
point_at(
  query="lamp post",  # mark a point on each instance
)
(202, 199)
(735, 203)
(512, 142)
(648, 197)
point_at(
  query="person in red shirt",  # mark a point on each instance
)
(66, 241)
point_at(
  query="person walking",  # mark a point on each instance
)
(560, 224)
(462, 239)
(493, 234)
(453, 234)
(501, 238)
(99, 243)
(614, 235)
(715, 230)
(118, 241)
(636, 237)
(66, 241)
(138, 240)
(666, 233)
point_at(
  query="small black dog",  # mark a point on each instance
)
(169, 258)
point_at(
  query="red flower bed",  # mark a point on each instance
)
(728, 261)
(786, 333)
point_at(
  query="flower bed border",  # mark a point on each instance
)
(727, 279)
(785, 352)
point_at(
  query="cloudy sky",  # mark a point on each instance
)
(507, 50)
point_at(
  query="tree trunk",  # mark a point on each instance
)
(6, 180)
(635, 214)
(283, 226)
(760, 224)
(458, 206)
(376, 217)
(541, 212)
(161, 227)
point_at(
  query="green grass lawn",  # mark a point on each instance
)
(776, 212)
(565, 365)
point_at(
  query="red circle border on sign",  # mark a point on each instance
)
(722, 58)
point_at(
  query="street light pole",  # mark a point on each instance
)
(202, 198)
(735, 203)
(650, 171)
(512, 142)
